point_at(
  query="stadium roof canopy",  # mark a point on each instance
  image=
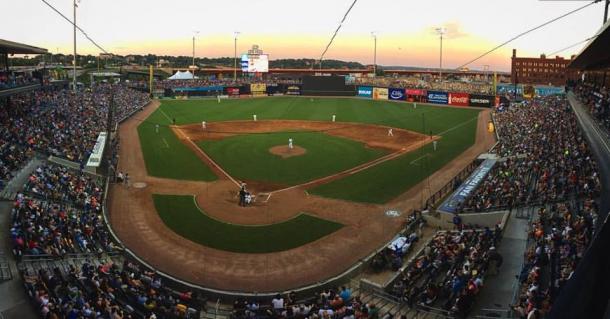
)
(10, 47)
(596, 54)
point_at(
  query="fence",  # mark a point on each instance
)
(451, 185)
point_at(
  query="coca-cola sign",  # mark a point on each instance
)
(459, 99)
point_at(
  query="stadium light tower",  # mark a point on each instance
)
(195, 33)
(441, 31)
(74, 60)
(374, 35)
(235, 34)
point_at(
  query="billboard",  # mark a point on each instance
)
(293, 90)
(415, 92)
(437, 97)
(482, 100)
(365, 91)
(397, 94)
(258, 89)
(233, 91)
(380, 93)
(255, 63)
(459, 99)
(468, 187)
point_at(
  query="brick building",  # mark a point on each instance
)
(540, 70)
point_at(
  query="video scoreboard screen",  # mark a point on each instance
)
(255, 63)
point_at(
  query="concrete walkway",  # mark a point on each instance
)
(498, 291)
(14, 303)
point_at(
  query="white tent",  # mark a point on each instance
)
(186, 75)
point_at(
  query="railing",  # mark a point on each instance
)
(5, 268)
(451, 185)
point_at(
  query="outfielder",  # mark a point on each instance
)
(156, 128)
(203, 126)
(390, 132)
(414, 105)
(334, 116)
(254, 117)
(218, 97)
(290, 143)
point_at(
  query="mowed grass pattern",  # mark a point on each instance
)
(181, 214)
(247, 157)
(374, 185)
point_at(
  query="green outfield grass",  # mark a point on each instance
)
(165, 156)
(375, 185)
(181, 214)
(247, 157)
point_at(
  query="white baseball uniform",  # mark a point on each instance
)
(203, 126)
(434, 144)
(334, 116)
(218, 97)
(156, 128)
(390, 132)
(254, 117)
(290, 143)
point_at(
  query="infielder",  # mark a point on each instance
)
(156, 128)
(334, 116)
(254, 117)
(203, 126)
(290, 143)
(390, 132)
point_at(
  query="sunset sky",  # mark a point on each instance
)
(301, 29)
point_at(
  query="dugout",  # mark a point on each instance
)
(327, 86)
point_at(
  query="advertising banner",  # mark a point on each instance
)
(95, 159)
(482, 100)
(258, 89)
(365, 91)
(397, 94)
(437, 97)
(272, 88)
(380, 93)
(233, 91)
(461, 194)
(415, 92)
(459, 99)
(293, 90)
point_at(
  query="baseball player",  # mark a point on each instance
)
(156, 128)
(290, 143)
(390, 132)
(218, 97)
(254, 117)
(334, 117)
(414, 105)
(434, 145)
(203, 126)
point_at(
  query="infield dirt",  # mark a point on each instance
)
(136, 223)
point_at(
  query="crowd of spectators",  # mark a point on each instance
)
(419, 83)
(172, 84)
(12, 80)
(59, 213)
(597, 100)
(450, 270)
(559, 237)
(546, 158)
(106, 290)
(59, 122)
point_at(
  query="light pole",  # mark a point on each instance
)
(374, 35)
(194, 34)
(74, 61)
(441, 31)
(235, 34)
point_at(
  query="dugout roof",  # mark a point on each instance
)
(596, 54)
(10, 47)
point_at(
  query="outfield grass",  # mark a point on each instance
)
(247, 157)
(375, 185)
(181, 214)
(165, 156)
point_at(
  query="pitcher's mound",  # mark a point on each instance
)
(285, 152)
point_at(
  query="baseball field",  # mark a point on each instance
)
(322, 201)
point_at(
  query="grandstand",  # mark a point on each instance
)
(512, 224)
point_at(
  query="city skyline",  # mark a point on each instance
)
(405, 31)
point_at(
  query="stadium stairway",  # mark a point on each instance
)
(16, 183)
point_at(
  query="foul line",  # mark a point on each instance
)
(166, 116)
(165, 141)
(207, 157)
